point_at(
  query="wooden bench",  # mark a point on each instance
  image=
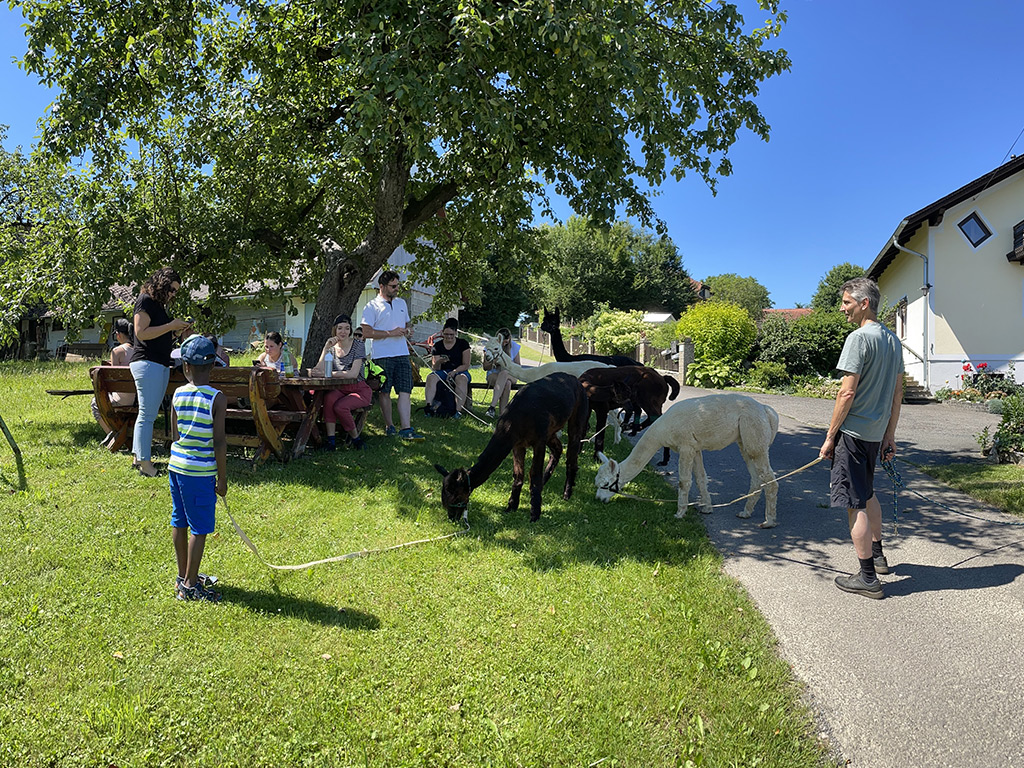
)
(258, 426)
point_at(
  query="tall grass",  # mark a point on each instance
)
(602, 635)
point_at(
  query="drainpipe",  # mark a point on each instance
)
(924, 291)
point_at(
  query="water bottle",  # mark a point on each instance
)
(328, 365)
(286, 357)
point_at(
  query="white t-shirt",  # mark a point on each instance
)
(382, 315)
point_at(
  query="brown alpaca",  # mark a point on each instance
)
(532, 419)
(637, 387)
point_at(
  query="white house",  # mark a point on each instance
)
(954, 271)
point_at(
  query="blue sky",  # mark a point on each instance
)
(889, 105)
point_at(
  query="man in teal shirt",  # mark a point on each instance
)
(864, 421)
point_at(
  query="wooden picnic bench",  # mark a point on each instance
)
(261, 425)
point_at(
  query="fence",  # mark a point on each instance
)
(676, 359)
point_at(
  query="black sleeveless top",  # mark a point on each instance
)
(156, 350)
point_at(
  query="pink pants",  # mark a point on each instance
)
(339, 403)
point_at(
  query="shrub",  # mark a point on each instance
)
(619, 333)
(768, 375)
(822, 335)
(721, 333)
(1009, 435)
(778, 343)
(995, 405)
(711, 374)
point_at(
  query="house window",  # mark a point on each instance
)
(901, 318)
(974, 229)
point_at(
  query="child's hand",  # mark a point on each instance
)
(222, 487)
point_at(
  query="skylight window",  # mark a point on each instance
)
(974, 229)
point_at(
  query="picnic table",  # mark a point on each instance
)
(278, 407)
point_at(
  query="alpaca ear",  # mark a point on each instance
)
(602, 458)
(441, 469)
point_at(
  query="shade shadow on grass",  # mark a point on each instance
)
(273, 604)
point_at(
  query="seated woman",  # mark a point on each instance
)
(450, 358)
(222, 361)
(122, 333)
(500, 379)
(273, 345)
(348, 355)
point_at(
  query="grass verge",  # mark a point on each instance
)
(1001, 485)
(602, 635)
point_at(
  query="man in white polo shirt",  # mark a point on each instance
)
(386, 321)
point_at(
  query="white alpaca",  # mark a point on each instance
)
(493, 351)
(704, 423)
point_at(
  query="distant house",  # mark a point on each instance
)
(252, 319)
(659, 318)
(954, 271)
(787, 314)
(703, 290)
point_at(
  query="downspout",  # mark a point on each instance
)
(925, 288)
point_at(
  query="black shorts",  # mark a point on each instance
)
(852, 481)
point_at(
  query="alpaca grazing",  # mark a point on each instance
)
(552, 326)
(532, 419)
(493, 351)
(635, 386)
(704, 424)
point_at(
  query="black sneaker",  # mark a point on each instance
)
(881, 565)
(855, 583)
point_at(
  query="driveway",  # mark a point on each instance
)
(933, 674)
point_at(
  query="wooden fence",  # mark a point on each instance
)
(676, 360)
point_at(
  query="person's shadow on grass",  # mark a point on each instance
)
(935, 578)
(275, 604)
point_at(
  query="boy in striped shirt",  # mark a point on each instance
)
(198, 465)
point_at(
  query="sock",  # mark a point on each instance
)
(876, 549)
(330, 441)
(867, 569)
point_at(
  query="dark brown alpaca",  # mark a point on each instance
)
(635, 386)
(532, 419)
(552, 327)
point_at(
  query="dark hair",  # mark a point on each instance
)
(200, 368)
(212, 338)
(452, 322)
(159, 284)
(342, 319)
(123, 326)
(387, 276)
(275, 337)
(504, 335)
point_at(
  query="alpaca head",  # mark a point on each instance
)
(493, 351)
(551, 321)
(454, 492)
(607, 478)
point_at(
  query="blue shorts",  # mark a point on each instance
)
(398, 372)
(193, 502)
(443, 375)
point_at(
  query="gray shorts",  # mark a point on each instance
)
(398, 372)
(852, 479)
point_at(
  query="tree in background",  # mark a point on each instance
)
(827, 296)
(723, 335)
(502, 299)
(304, 142)
(745, 291)
(823, 335)
(620, 267)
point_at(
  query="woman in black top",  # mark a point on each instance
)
(150, 360)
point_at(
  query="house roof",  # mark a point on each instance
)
(658, 317)
(788, 314)
(932, 214)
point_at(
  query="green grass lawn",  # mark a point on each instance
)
(601, 635)
(1001, 485)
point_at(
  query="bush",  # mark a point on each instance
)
(995, 405)
(711, 374)
(766, 375)
(721, 332)
(1009, 435)
(822, 335)
(778, 343)
(619, 333)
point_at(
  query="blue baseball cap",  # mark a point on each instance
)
(198, 350)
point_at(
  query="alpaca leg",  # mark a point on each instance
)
(702, 483)
(771, 490)
(664, 457)
(518, 469)
(602, 419)
(685, 478)
(556, 453)
(755, 483)
(536, 483)
(572, 455)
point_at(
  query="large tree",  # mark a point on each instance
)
(827, 296)
(745, 291)
(305, 141)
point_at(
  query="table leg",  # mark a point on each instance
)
(308, 423)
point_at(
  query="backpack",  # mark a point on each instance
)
(443, 406)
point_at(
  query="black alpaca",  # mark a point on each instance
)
(552, 327)
(628, 386)
(532, 419)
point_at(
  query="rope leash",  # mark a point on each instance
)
(361, 553)
(897, 483)
(808, 465)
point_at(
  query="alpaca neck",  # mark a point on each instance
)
(521, 373)
(497, 449)
(558, 345)
(648, 444)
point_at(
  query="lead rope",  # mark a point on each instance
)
(338, 558)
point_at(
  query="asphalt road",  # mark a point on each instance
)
(933, 675)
